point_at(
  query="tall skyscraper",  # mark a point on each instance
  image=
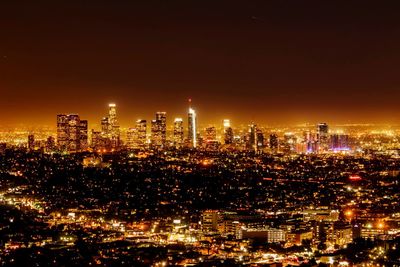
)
(274, 142)
(323, 135)
(311, 142)
(71, 133)
(114, 126)
(290, 142)
(155, 135)
(192, 126)
(83, 135)
(159, 130)
(141, 126)
(131, 137)
(98, 140)
(110, 131)
(161, 117)
(252, 143)
(105, 126)
(62, 132)
(74, 129)
(136, 137)
(112, 114)
(211, 134)
(178, 132)
(228, 137)
(228, 132)
(259, 140)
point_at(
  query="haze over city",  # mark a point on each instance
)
(270, 62)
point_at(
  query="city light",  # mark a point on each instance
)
(199, 133)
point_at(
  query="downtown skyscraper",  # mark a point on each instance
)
(178, 137)
(113, 130)
(72, 133)
(228, 132)
(136, 137)
(159, 130)
(192, 126)
(109, 138)
(323, 136)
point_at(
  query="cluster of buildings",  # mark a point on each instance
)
(321, 228)
(72, 136)
(72, 133)
(237, 205)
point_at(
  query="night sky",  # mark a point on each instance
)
(271, 62)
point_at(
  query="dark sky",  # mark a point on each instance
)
(268, 61)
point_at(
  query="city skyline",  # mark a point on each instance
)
(238, 61)
(199, 133)
(95, 120)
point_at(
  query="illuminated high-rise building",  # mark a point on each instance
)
(110, 130)
(159, 130)
(311, 142)
(105, 126)
(178, 132)
(114, 126)
(62, 132)
(141, 126)
(154, 133)
(273, 142)
(228, 136)
(71, 133)
(98, 140)
(83, 135)
(252, 140)
(259, 140)
(211, 134)
(211, 142)
(161, 117)
(192, 126)
(74, 133)
(131, 138)
(323, 135)
(136, 137)
(228, 132)
(290, 142)
(112, 114)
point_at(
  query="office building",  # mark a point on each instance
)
(228, 132)
(323, 136)
(211, 134)
(192, 126)
(259, 140)
(159, 130)
(71, 133)
(274, 142)
(252, 139)
(178, 133)
(136, 137)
